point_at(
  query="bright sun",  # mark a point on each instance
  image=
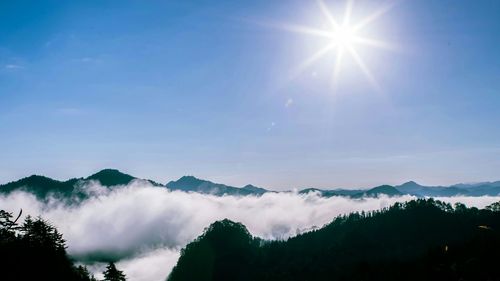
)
(343, 38)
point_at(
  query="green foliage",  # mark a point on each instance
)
(113, 274)
(423, 239)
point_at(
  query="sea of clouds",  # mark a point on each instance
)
(144, 227)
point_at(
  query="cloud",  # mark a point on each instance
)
(145, 226)
(479, 202)
(288, 102)
(154, 265)
(13, 66)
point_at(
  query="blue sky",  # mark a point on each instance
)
(162, 89)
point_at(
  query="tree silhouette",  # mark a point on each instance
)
(7, 226)
(35, 250)
(422, 239)
(495, 207)
(113, 274)
(41, 233)
(84, 273)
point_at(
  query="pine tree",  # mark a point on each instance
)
(84, 274)
(113, 274)
(41, 233)
(35, 250)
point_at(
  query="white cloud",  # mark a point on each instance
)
(288, 102)
(478, 202)
(146, 226)
(154, 265)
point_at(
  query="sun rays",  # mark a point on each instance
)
(343, 37)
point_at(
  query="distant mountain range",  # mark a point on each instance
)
(192, 184)
(42, 186)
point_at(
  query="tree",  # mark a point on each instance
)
(495, 207)
(113, 274)
(41, 233)
(35, 250)
(8, 226)
(423, 239)
(84, 273)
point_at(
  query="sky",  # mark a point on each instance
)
(162, 89)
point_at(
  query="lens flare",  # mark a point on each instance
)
(344, 39)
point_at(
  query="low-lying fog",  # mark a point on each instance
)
(144, 227)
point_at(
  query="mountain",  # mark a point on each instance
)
(330, 193)
(192, 184)
(481, 189)
(111, 177)
(42, 186)
(387, 190)
(254, 189)
(413, 188)
(321, 192)
(422, 239)
(477, 184)
(356, 193)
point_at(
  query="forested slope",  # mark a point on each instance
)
(417, 240)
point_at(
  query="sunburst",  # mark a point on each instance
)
(343, 37)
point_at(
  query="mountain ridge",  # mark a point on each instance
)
(193, 184)
(448, 243)
(43, 186)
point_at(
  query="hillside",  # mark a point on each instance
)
(42, 187)
(192, 184)
(111, 177)
(418, 240)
